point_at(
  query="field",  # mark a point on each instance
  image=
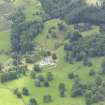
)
(5, 27)
(60, 72)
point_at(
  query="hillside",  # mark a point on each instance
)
(52, 52)
(78, 10)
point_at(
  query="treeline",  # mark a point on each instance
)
(12, 74)
(85, 47)
(23, 32)
(74, 11)
(60, 8)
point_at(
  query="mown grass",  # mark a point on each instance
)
(42, 39)
(5, 40)
(5, 45)
(31, 7)
(7, 98)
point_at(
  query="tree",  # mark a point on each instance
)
(88, 97)
(54, 56)
(33, 101)
(1, 67)
(25, 91)
(62, 27)
(103, 67)
(86, 48)
(74, 11)
(71, 75)
(33, 75)
(8, 76)
(77, 90)
(41, 78)
(48, 53)
(62, 89)
(38, 83)
(98, 80)
(46, 83)
(75, 36)
(47, 98)
(37, 68)
(22, 36)
(92, 73)
(87, 61)
(17, 93)
(18, 17)
(50, 76)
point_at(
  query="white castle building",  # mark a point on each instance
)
(98, 3)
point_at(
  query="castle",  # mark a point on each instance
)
(98, 3)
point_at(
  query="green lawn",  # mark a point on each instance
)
(94, 30)
(3, 58)
(50, 42)
(1, 1)
(4, 45)
(7, 98)
(5, 40)
(60, 72)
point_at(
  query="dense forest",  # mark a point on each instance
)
(73, 11)
(92, 46)
(23, 32)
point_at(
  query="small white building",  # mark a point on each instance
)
(47, 61)
(97, 3)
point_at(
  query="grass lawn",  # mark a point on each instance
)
(4, 45)
(94, 30)
(3, 58)
(49, 43)
(7, 98)
(4, 41)
(1, 1)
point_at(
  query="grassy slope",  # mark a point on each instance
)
(60, 72)
(10, 99)
(5, 35)
(42, 39)
(4, 41)
(4, 45)
(60, 75)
